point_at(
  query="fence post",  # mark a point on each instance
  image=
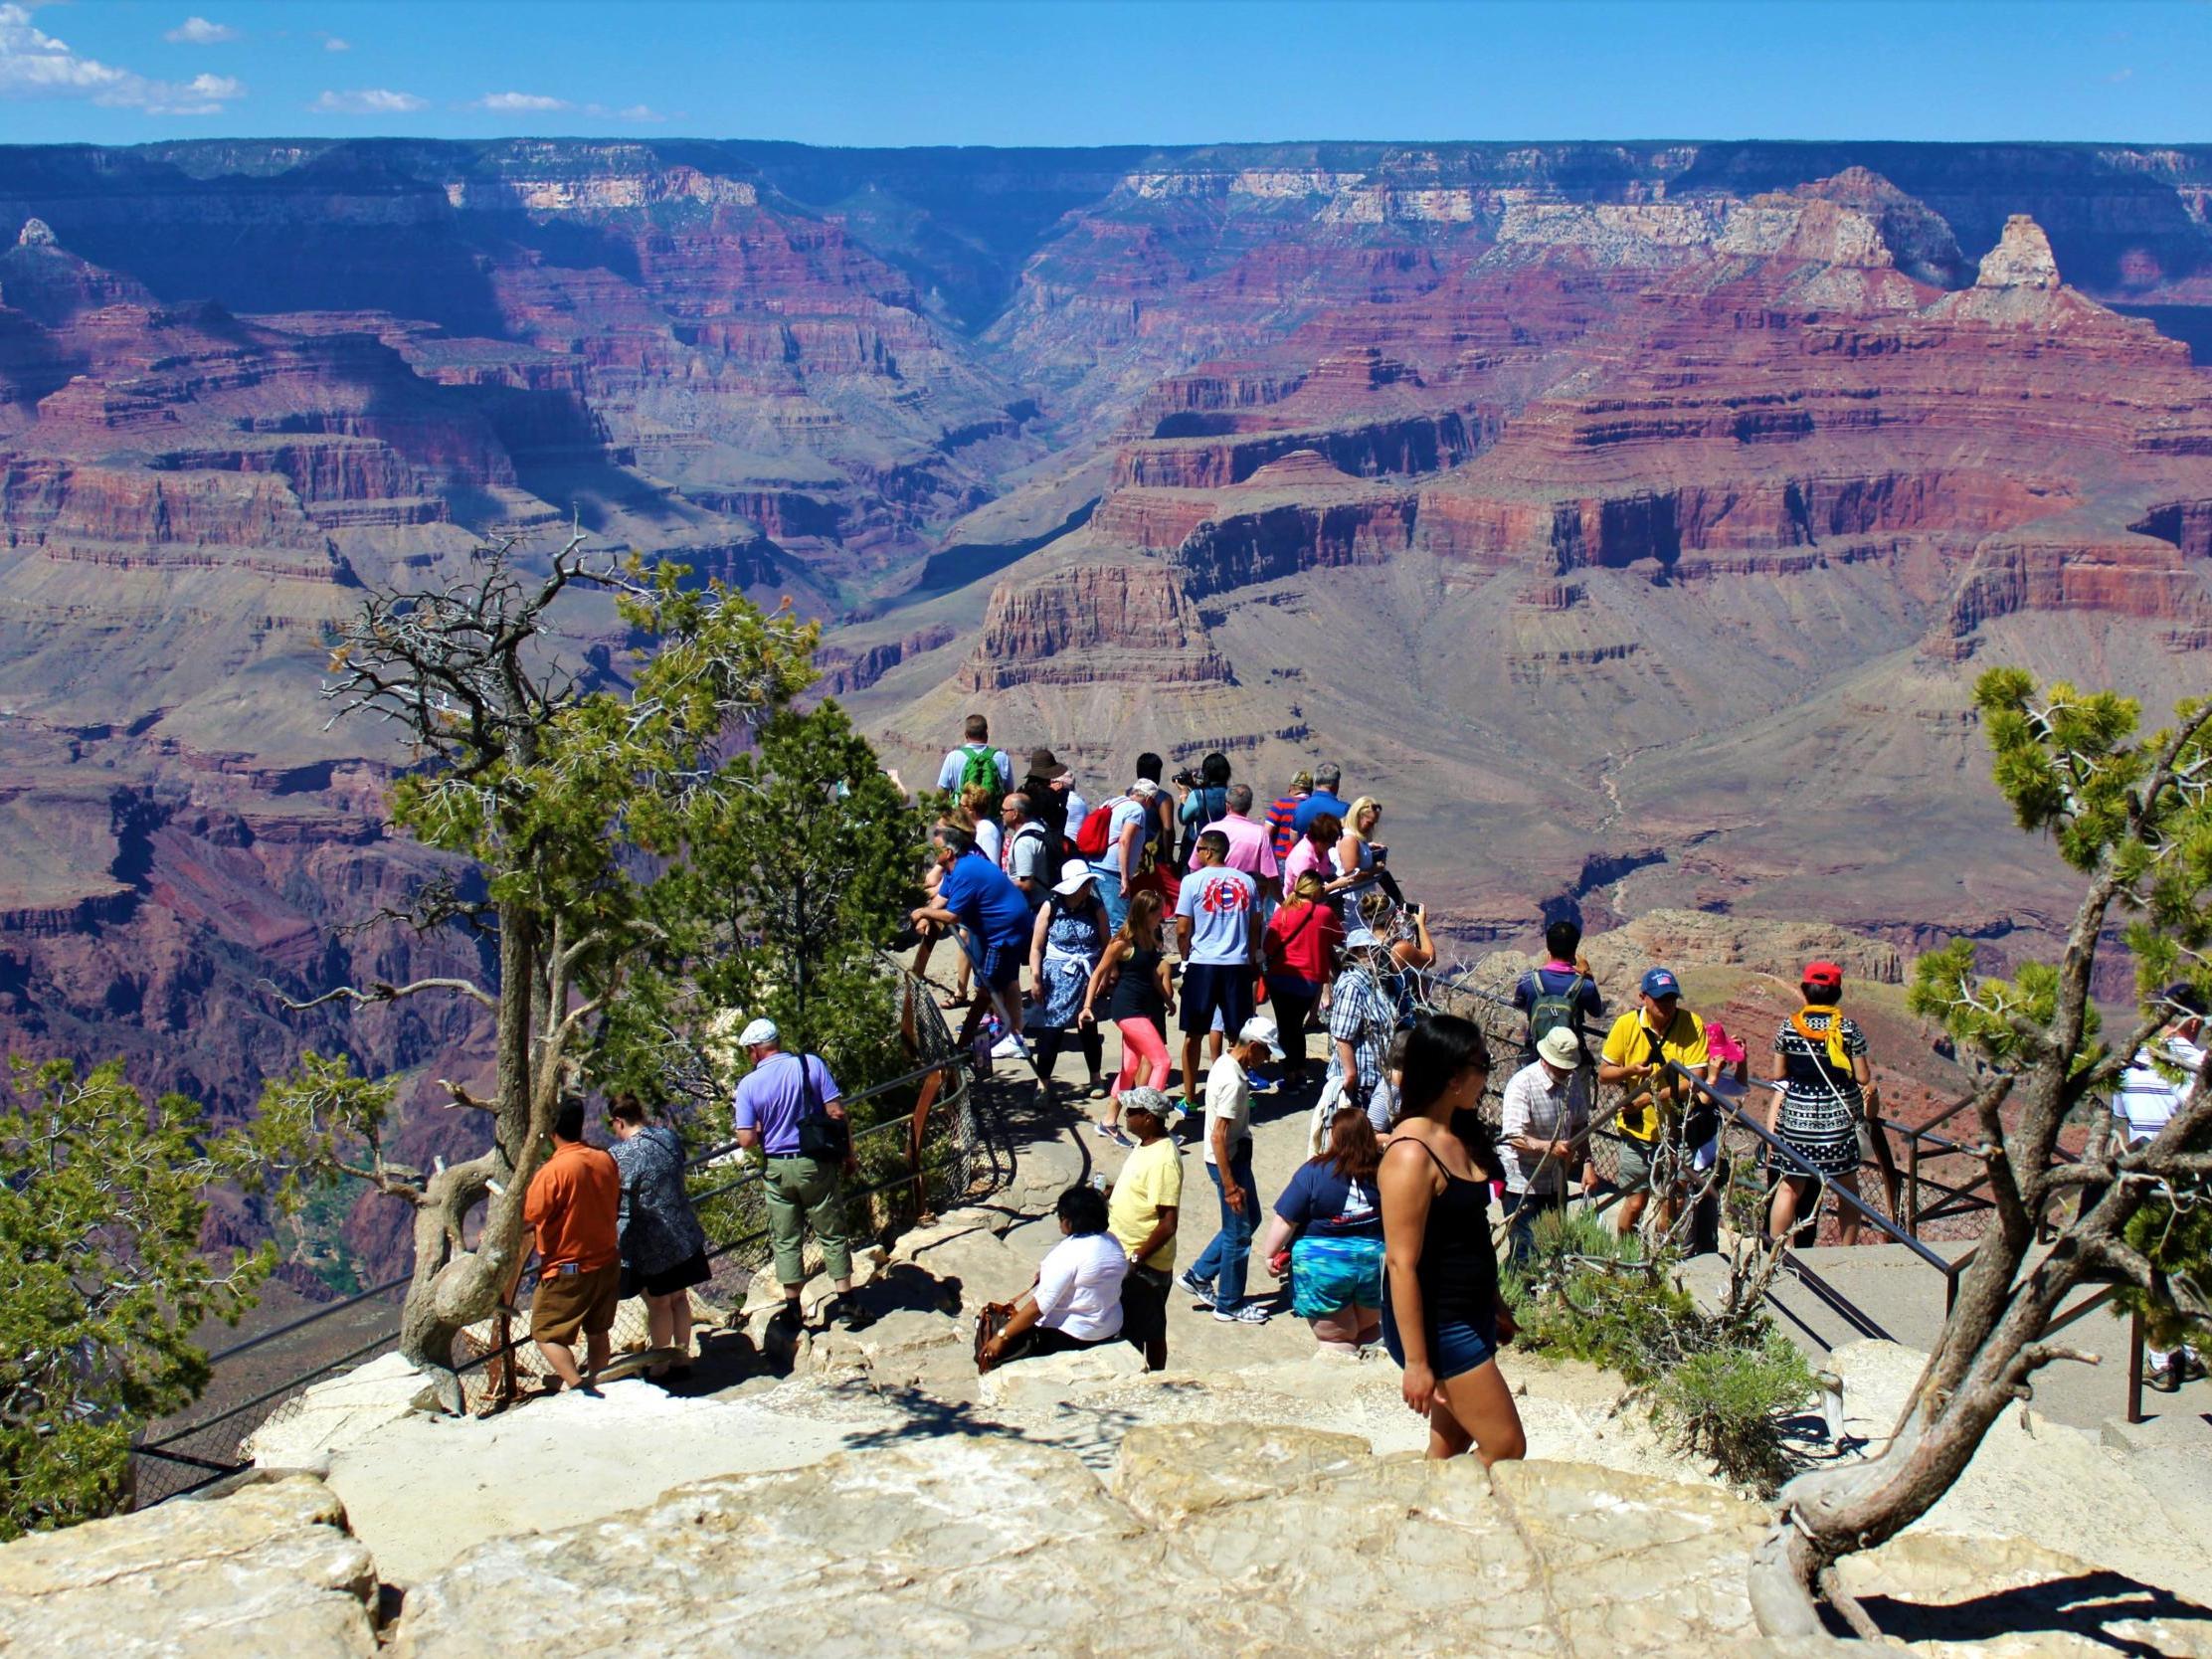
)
(1913, 1185)
(2136, 1367)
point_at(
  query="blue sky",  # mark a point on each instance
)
(954, 71)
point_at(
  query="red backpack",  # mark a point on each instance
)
(1092, 840)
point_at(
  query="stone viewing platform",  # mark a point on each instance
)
(853, 1491)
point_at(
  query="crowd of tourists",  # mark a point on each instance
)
(1179, 898)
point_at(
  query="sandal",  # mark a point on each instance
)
(1098, 1089)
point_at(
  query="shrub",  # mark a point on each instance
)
(1715, 1384)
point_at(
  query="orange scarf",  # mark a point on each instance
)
(1839, 1054)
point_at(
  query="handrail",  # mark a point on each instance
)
(323, 1313)
(1728, 1097)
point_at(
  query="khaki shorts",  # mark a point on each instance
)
(1636, 1166)
(566, 1303)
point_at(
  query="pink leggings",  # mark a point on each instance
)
(1141, 1045)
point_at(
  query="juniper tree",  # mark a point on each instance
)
(572, 799)
(2133, 815)
(103, 1281)
(791, 879)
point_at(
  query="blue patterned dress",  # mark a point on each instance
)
(1072, 944)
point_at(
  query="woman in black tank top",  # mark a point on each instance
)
(1442, 1317)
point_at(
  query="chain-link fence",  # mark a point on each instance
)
(924, 1142)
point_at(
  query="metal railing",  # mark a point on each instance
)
(957, 1151)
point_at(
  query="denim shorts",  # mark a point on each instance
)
(1455, 1346)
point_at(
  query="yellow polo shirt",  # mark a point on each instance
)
(1151, 1180)
(1629, 1042)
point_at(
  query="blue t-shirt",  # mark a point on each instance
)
(1323, 1201)
(1314, 805)
(1219, 903)
(986, 899)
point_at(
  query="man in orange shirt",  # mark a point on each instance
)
(572, 1205)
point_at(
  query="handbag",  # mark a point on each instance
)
(989, 1323)
(821, 1137)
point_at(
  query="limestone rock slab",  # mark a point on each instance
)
(270, 1569)
(1219, 1539)
(343, 1411)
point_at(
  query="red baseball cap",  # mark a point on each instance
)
(1826, 975)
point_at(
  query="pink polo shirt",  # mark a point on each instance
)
(1251, 847)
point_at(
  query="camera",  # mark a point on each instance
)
(1188, 778)
(1381, 854)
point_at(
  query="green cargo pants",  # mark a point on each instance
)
(805, 1186)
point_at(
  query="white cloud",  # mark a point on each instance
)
(2119, 75)
(34, 64)
(541, 103)
(520, 103)
(198, 31)
(368, 101)
(332, 43)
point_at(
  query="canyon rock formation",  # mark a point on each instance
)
(1631, 518)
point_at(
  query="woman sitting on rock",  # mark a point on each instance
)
(1443, 1318)
(1075, 1300)
(664, 1248)
(1332, 1209)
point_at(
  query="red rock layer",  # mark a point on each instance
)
(1089, 624)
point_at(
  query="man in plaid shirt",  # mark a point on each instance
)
(1363, 1017)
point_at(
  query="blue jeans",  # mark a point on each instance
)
(1224, 1262)
(1107, 889)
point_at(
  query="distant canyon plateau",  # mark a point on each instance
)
(1631, 518)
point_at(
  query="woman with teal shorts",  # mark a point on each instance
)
(1335, 1266)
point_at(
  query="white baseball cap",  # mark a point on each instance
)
(759, 1031)
(1261, 1029)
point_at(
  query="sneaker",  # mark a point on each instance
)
(1007, 1047)
(1119, 1136)
(1260, 1082)
(2167, 1378)
(1106, 1131)
(1098, 1089)
(2192, 1366)
(1245, 1313)
(1191, 1286)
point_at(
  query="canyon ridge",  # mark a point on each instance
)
(1631, 518)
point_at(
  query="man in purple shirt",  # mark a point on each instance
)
(773, 1099)
(1252, 848)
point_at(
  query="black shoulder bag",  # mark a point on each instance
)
(821, 1137)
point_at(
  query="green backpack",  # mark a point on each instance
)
(1550, 1009)
(979, 765)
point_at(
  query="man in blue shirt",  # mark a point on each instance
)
(980, 896)
(1328, 777)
